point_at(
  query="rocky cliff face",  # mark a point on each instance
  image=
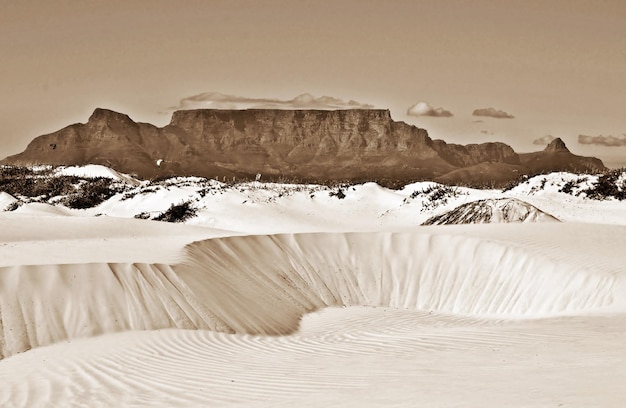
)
(472, 154)
(310, 145)
(298, 137)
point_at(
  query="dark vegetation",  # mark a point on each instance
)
(177, 213)
(608, 186)
(509, 185)
(338, 193)
(436, 192)
(91, 193)
(43, 185)
(13, 206)
(435, 195)
(22, 181)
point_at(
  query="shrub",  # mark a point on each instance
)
(90, 194)
(436, 192)
(13, 206)
(608, 186)
(568, 187)
(26, 185)
(15, 172)
(435, 195)
(522, 178)
(178, 213)
(339, 194)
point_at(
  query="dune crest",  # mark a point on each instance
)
(295, 274)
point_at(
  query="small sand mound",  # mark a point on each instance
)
(41, 209)
(95, 171)
(6, 201)
(496, 210)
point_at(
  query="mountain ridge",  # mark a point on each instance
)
(306, 145)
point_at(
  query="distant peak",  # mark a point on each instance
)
(107, 115)
(557, 145)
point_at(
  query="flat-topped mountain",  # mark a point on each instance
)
(309, 145)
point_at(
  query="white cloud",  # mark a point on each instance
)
(425, 109)
(600, 140)
(492, 113)
(217, 100)
(543, 140)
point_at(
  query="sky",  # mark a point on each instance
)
(519, 72)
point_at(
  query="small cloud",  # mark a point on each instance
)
(492, 113)
(544, 140)
(610, 141)
(217, 100)
(425, 109)
(478, 121)
(486, 132)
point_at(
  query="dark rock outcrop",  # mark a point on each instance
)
(304, 145)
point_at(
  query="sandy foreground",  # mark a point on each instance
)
(102, 311)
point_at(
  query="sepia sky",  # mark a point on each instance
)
(467, 71)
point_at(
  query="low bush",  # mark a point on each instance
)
(568, 187)
(436, 192)
(435, 195)
(13, 206)
(90, 193)
(608, 186)
(143, 216)
(15, 172)
(339, 194)
(178, 213)
(33, 186)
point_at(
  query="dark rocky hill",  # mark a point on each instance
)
(305, 145)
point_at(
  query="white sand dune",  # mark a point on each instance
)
(483, 313)
(265, 284)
